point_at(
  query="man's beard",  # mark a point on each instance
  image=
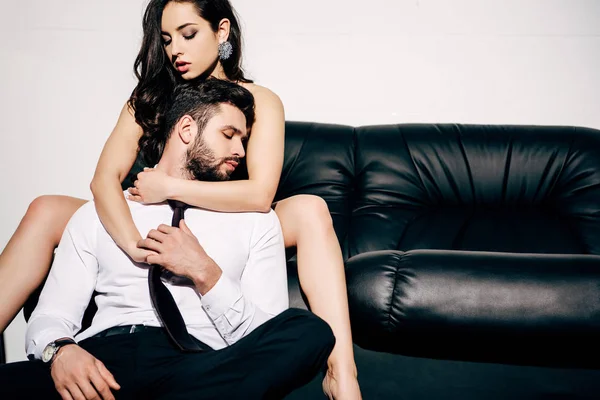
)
(202, 165)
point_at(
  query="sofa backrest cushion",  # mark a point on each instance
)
(509, 188)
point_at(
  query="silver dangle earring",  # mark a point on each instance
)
(225, 50)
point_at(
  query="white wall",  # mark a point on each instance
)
(66, 70)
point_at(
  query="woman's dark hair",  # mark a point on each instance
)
(157, 78)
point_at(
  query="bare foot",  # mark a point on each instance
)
(337, 386)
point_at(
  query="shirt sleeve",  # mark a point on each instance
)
(69, 286)
(239, 307)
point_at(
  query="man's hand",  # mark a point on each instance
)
(179, 251)
(152, 186)
(136, 254)
(78, 375)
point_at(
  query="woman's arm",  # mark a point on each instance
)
(264, 159)
(116, 159)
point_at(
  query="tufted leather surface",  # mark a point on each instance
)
(454, 233)
(497, 188)
(477, 305)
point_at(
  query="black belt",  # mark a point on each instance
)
(126, 329)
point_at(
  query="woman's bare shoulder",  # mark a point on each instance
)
(262, 95)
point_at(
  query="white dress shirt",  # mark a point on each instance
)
(248, 247)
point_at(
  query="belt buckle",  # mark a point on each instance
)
(133, 329)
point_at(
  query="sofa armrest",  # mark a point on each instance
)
(477, 306)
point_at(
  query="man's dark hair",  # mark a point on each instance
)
(200, 101)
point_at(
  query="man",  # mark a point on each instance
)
(225, 272)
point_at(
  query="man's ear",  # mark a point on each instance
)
(223, 30)
(187, 129)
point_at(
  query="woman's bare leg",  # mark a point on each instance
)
(306, 224)
(25, 260)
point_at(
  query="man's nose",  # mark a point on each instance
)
(238, 149)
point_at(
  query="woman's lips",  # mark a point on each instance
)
(182, 67)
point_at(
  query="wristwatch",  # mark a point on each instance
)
(52, 348)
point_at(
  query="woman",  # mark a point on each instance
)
(192, 40)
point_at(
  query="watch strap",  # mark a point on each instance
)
(63, 342)
(57, 344)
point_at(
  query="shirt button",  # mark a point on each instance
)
(207, 307)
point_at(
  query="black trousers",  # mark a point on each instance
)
(281, 355)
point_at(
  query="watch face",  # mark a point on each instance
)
(48, 352)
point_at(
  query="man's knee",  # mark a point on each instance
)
(305, 344)
(313, 332)
(320, 334)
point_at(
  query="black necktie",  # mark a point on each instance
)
(163, 301)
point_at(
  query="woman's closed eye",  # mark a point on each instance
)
(167, 41)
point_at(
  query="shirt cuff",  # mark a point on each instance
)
(37, 345)
(221, 297)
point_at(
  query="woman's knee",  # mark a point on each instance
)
(43, 209)
(39, 210)
(307, 212)
(303, 216)
(50, 213)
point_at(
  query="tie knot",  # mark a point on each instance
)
(178, 204)
(178, 211)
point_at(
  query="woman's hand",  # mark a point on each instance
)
(151, 186)
(138, 254)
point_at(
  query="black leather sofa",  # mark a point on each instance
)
(472, 255)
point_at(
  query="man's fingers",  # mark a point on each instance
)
(183, 226)
(150, 244)
(101, 385)
(87, 389)
(148, 252)
(157, 235)
(108, 377)
(154, 259)
(168, 229)
(75, 392)
(65, 395)
(134, 191)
